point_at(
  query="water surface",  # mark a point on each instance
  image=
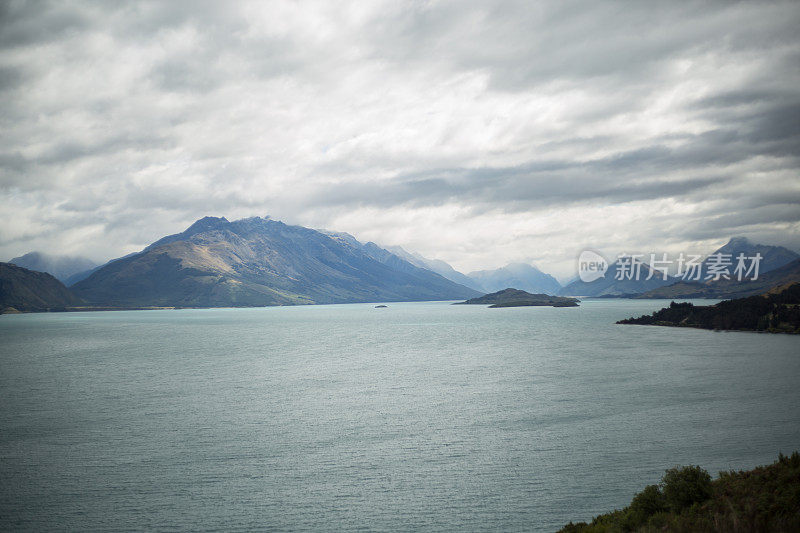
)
(420, 416)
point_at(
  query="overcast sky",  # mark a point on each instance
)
(474, 132)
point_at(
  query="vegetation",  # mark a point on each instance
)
(26, 290)
(764, 499)
(776, 312)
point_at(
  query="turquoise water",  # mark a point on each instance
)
(421, 416)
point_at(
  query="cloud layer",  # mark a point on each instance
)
(479, 134)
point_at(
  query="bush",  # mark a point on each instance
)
(766, 498)
(644, 505)
(683, 487)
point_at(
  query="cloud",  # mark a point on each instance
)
(519, 131)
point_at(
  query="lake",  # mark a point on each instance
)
(420, 416)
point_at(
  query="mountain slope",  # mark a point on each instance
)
(82, 275)
(772, 257)
(435, 265)
(254, 262)
(28, 290)
(521, 275)
(610, 286)
(723, 288)
(59, 266)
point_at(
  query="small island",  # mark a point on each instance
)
(517, 298)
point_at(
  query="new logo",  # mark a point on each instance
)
(591, 266)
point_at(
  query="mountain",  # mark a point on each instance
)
(775, 312)
(27, 290)
(259, 261)
(609, 286)
(516, 298)
(772, 257)
(82, 275)
(729, 288)
(435, 265)
(60, 266)
(522, 275)
(526, 277)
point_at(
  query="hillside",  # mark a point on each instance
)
(772, 257)
(258, 261)
(766, 498)
(522, 275)
(435, 265)
(27, 290)
(732, 288)
(517, 298)
(776, 312)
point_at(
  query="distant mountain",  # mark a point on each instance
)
(772, 257)
(732, 288)
(60, 266)
(609, 286)
(526, 277)
(522, 275)
(436, 265)
(516, 298)
(27, 290)
(258, 261)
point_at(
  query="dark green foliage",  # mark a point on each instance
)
(26, 290)
(766, 498)
(683, 487)
(773, 312)
(645, 504)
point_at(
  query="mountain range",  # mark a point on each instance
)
(610, 286)
(772, 258)
(518, 275)
(728, 288)
(256, 262)
(778, 266)
(259, 261)
(436, 265)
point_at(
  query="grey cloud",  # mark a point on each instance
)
(11, 78)
(187, 129)
(514, 189)
(23, 23)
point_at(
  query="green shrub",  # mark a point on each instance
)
(684, 486)
(766, 498)
(644, 505)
